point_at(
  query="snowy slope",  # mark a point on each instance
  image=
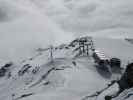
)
(61, 81)
(58, 80)
(26, 25)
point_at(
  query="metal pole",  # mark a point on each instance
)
(51, 53)
(87, 49)
(83, 47)
(80, 48)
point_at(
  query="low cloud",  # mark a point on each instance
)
(94, 15)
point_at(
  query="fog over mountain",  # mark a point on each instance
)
(24, 28)
(66, 49)
(33, 23)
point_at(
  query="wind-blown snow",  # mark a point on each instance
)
(23, 28)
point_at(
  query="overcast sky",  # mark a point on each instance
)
(93, 16)
(78, 16)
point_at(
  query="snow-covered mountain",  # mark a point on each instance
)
(67, 77)
(28, 27)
